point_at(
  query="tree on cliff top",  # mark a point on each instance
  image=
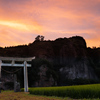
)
(39, 38)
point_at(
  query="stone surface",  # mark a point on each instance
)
(44, 80)
(72, 56)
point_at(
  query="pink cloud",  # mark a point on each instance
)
(49, 17)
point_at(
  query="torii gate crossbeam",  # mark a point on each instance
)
(13, 64)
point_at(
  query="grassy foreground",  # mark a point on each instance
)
(10, 95)
(79, 91)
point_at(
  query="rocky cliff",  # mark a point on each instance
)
(69, 57)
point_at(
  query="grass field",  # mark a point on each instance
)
(10, 95)
(77, 92)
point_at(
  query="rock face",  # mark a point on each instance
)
(44, 81)
(79, 69)
(73, 56)
(7, 82)
(70, 57)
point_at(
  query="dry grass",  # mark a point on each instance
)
(10, 95)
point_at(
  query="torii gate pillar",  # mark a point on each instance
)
(25, 77)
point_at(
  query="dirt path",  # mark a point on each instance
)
(10, 95)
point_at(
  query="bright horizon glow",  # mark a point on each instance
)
(13, 25)
(19, 26)
(22, 20)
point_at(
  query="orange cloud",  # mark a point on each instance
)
(21, 26)
(14, 25)
(52, 18)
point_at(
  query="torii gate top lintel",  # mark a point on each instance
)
(13, 64)
(17, 58)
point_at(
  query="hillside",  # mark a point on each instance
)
(58, 62)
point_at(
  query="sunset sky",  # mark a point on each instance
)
(22, 20)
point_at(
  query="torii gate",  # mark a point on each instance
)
(13, 64)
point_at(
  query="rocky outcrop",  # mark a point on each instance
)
(69, 57)
(7, 81)
(44, 80)
(78, 69)
(72, 56)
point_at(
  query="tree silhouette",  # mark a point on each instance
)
(42, 38)
(39, 38)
